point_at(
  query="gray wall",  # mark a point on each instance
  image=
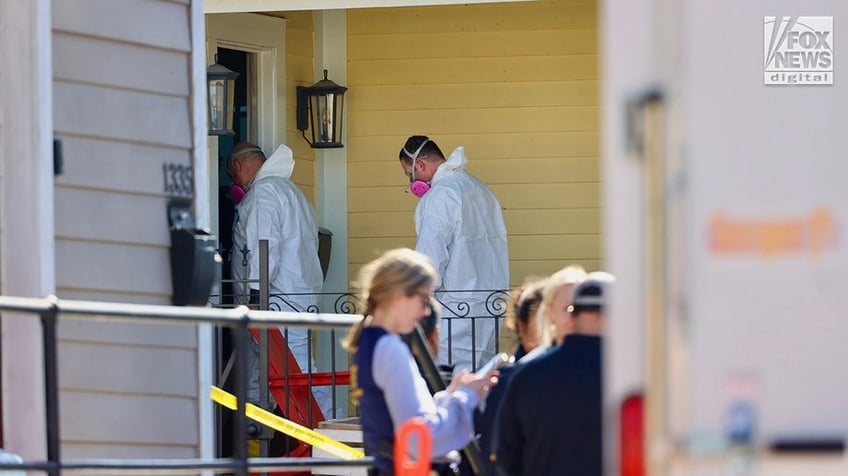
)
(122, 105)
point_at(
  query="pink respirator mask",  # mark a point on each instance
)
(236, 193)
(416, 186)
(419, 188)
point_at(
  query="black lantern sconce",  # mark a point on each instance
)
(320, 108)
(221, 84)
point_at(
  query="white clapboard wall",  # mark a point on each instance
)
(122, 109)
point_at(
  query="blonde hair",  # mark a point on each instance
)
(568, 276)
(399, 270)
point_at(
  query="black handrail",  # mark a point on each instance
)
(50, 309)
(240, 318)
(187, 466)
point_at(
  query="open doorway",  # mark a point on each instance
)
(253, 46)
(236, 61)
(243, 120)
(245, 128)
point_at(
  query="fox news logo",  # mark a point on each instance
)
(798, 50)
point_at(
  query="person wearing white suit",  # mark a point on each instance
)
(460, 227)
(274, 208)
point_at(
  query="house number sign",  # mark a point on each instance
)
(178, 179)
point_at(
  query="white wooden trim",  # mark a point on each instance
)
(206, 378)
(26, 213)
(199, 126)
(211, 148)
(331, 164)
(273, 121)
(45, 240)
(202, 213)
(231, 6)
(257, 34)
(249, 32)
(331, 171)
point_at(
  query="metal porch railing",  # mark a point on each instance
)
(51, 309)
(474, 305)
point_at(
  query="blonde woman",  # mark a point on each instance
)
(553, 319)
(388, 387)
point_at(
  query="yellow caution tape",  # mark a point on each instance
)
(288, 427)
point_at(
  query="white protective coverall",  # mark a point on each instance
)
(274, 209)
(461, 229)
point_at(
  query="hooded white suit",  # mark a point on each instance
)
(274, 209)
(461, 229)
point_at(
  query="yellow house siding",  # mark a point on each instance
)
(517, 84)
(300, 55)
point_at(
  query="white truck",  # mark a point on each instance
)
(726, 222)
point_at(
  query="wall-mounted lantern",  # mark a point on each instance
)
(221, 88)
(320, 108)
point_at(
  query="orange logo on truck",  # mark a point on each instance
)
(811, 235)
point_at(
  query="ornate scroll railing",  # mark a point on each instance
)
(460, 304)
(474, 306)
(469, 335)
(477, 309)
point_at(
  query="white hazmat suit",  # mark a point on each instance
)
(461, 229)
(274, 209)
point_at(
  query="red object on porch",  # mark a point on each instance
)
(300, 400)
(405, 463)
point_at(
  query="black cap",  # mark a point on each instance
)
(590, 294)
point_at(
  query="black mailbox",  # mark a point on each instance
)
(195, 262)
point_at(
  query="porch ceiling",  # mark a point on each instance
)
(232, 6)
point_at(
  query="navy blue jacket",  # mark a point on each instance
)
(484, 421)
(376, 421)
(549, 422)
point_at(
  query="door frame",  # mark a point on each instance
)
(265, 37)
(26, 216)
